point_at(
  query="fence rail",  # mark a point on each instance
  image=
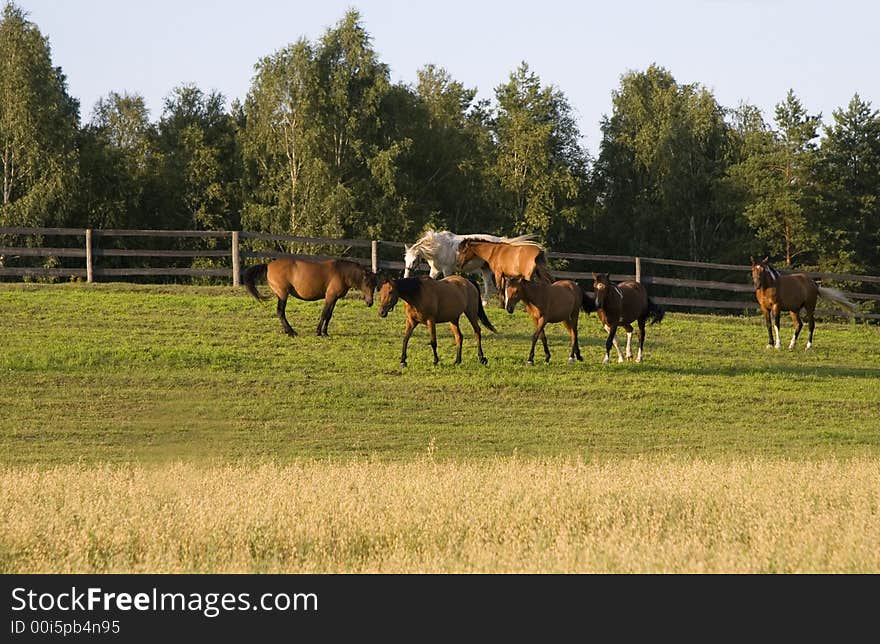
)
(90, 250)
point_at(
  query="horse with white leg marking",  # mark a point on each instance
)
(429, 301)
(560, 301)
(620, 305)
(439, 249)
(777, 292)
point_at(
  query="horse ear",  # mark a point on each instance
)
(595, 277)
(752, 260)
(765, 260)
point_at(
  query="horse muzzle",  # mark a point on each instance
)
(511, 307)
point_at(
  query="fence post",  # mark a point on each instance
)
(638, 268)
(89, 271)
(374, 255)
(236, 260)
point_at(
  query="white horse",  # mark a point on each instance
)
(439, 249)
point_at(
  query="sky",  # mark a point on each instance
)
(742, 50)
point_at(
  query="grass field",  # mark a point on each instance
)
(118, 391)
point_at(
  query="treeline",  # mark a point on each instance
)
(324, 144)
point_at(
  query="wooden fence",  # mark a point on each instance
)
(90, 250)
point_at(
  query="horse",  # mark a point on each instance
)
(429, 301)
(620, 305)
(310, 280)
(506, 259)
(439, 249)
(777, 292)
(560, 301)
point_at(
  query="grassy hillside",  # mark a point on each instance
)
(151, 374)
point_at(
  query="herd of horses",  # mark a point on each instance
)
(515, 268)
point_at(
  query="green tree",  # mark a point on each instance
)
(38, 127)
(776, 175)
(663, 157)
(539, 164)
(200, 176)
(849, 174)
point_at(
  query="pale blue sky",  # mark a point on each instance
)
(740, 49)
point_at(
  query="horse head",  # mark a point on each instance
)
(368, 285)
(601, 286)
(513, 293)
(410, 258)
(387, 295)
(758, 271)
(465, 252)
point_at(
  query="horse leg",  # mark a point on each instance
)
(456, 332)
(798, 325)
(487, 284)
(326, 313)
(546, 348)
(432, 327)
(629, 335)
(811, 321)
(769, 325)
(410, 325)
(575, 349)
(539, 330)
(776, 315)
(641, 339)
(279, 311)
(476, 325)
(611, 341)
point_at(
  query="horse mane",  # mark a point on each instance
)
(408, 288)
(522, 240)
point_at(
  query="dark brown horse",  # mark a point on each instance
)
(621, 305)
(777, 292)
(429, 301)
(560, 301)
(310, 280)
(519, 259)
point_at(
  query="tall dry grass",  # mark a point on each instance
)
(504, 515)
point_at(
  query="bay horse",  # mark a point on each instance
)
(560, 301)
(310, 280)
(777, 292)
(621, 305)
(439, 248)
(429, 301)
(506, 259)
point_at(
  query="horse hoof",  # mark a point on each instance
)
(484, 360)
(605, 360)
(769, 346)
(639, 360)
(547, 360)
(291, 333)
(403, 363)
(619, 360)
(530, 363)
(571, 360)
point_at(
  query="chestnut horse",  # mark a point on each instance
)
(429, 301)
(560, 301)
(519, 259)
(307, 279)
(776, 292)
(620, 305)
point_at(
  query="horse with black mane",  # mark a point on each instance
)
(777, 292)
(309, 280)
(429, 301)
(621, 305)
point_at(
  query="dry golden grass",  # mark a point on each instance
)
(503, 515)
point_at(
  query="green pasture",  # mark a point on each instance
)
(158, 373)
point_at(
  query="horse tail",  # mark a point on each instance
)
(541, 270)
(481, 313)
(587, 303)
(838, 298)
(251, 275)
(655, 312)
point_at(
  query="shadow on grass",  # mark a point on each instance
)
(801, 371)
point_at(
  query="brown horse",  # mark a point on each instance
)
(520, 259)
(560, 301)
(429, 301)
(776, 292)
(620, 305)
(310, 280)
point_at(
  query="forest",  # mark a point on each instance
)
(324, 144)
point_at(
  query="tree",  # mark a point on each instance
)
(38, 127)
(664, 153)
(777, 177)
(849, 174)
(200, 173)
(539, 164)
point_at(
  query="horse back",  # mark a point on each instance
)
(452, 296)
(563, 300)
(304, 279)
